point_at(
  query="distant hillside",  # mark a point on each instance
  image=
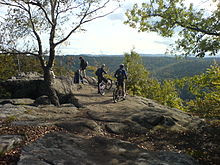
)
(173, 68)
(161, 67)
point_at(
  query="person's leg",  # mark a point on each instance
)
(123, 89)
(120, 86)
(99, 81)
(104, 79)
(80, 75)
(81, 79)
(81, 72)
(84, 73)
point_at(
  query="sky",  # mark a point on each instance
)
(110, 36)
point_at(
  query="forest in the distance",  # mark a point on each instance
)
(160, 67)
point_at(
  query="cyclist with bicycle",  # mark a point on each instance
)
(100, 75)
(121, 75)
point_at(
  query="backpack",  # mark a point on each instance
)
(120, 74)
(85, 64)
(98, 72)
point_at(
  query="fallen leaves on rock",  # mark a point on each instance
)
(203, 144)
(30, 134)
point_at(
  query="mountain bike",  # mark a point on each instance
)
(118, 93)
(105, 86)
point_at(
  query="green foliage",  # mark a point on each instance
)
(138, 75)
(198, 29)
(27, 64)
(7, 67)
(168, 95)
(10, 119)
(206, 89)
(63, 68)
(11, 65)
(140, 83)
(182, 68)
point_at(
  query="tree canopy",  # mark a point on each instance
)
(198, 29)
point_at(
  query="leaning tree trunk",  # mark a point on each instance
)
(48, 79)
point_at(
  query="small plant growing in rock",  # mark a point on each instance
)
(10, 119)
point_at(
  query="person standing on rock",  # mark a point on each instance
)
(121, 75)
(83, 65)
(99, 73)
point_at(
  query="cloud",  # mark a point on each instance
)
(163, 42)
(116, 16)
(109, 35)
(113, 38)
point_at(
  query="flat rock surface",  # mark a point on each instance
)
(64, 148)
(137, 111)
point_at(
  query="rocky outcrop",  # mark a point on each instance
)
(26, 110)
(33, 87)
(96, 130)
(23, 88)
(65, 148)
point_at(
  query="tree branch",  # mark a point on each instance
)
(44, 11)
(200, 30)
(82, 21)
(191, 27)
(40, 49)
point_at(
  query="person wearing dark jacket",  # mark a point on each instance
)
(121, 75)
(83, 65)
(100, 75)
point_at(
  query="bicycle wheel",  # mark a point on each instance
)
(102, 88)
(108, 84)
(116, 95)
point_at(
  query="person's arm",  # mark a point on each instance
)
(102, 71)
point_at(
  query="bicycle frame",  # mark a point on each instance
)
(105, 86)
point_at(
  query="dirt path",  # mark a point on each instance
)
(93, 101)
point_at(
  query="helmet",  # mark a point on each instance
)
(103, 65)
(121, 65)
(80, 57)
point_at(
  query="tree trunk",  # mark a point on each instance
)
(48, 79)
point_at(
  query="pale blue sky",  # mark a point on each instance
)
(109, 35)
